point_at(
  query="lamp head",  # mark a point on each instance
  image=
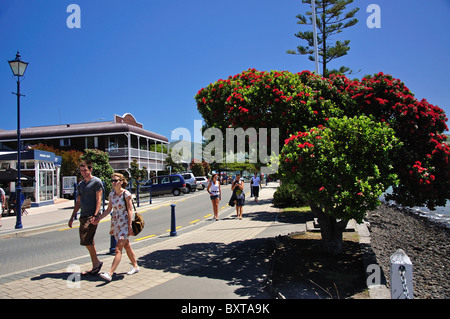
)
(18, 67)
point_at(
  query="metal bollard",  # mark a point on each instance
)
(173, 228)
(401, 276)
(112, 245)
(75, 196)
(138, 199)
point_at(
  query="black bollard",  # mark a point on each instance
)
(112, 245)
(75, 195)
(173, 229)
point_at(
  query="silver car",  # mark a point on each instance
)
(189, 178)
(202, 182)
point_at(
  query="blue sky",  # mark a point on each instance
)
(150, 58)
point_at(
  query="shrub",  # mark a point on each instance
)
(288, 195)
(341, 170)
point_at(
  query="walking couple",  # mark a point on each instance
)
(216, 195)
(89, 200)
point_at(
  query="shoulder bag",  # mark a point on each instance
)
(138, 223)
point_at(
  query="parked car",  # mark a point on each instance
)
(202, 182)
(190, 182)
(167, 184)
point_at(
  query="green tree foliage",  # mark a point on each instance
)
(298, 102)
(136, 173)
(176, 165)
(341, 170)
(197, 169)
(331, 20)
(70, 159)
(101, 167)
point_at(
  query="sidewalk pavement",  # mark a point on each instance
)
(225, 259)
(38, 219)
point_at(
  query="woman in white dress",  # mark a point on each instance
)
(120, 204)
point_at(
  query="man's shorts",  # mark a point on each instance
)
(87, 231)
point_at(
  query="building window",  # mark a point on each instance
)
(64, 142)
(91, 142)
(113, 143)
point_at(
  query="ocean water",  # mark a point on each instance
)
(441, 214)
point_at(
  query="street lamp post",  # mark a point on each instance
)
(316, 53)
(18, 68)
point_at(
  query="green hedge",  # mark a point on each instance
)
(288, 195)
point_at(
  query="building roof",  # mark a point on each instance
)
(124, 124)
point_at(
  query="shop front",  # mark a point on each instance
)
(40, 175)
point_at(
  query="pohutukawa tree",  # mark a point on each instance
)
(298, 102)
(341, 170)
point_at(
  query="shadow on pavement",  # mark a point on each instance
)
(244, 264)
(74, 276)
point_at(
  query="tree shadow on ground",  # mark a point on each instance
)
(303, 270)
(292, 216)
(243, 264)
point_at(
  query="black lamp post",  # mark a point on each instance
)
(18, 68)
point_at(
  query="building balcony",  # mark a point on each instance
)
(124, 165)
(135, 153)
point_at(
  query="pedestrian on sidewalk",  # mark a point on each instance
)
(89, 200)
(238, 192)
(121, 219)
(215, 194)
(256, 182)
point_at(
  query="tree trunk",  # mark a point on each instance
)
(331, 230)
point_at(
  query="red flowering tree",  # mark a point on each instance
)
(197, 168)
(341, 171)
(264, 100)
(422, 164)
(293, 102)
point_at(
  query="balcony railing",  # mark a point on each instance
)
(136, 153)
(124, 166)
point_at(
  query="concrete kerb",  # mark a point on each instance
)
(377, 290)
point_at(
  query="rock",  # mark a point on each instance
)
(424, 241)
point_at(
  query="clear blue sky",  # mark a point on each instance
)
(150, 58)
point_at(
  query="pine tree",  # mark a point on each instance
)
(331, 20)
